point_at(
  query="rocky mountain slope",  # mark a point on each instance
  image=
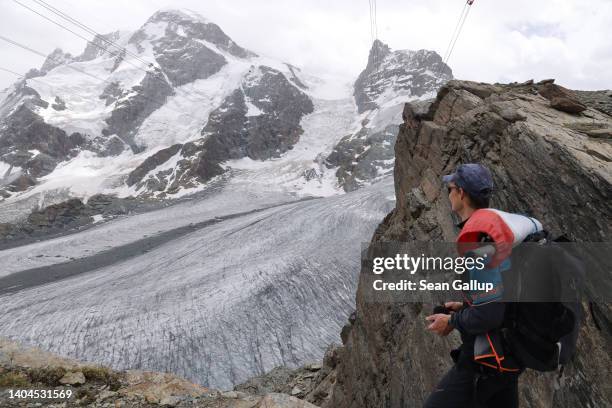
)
(390, 79)
(550, 157)
(162, 110)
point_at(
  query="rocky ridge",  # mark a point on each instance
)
(518, 131)
(68, 215)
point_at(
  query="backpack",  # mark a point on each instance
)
(541, 283)
(542, 322)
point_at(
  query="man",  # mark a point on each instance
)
(468, 384)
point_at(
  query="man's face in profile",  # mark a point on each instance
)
(454, 195)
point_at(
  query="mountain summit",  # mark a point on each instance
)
(389, 80)
(392, 77)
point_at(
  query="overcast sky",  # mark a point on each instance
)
(502, 40)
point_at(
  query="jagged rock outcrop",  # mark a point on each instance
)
(560, 98)
(178, 166)
(261, 120)
(100, 45)
(363, 157)
(600, 100)
(544, 163)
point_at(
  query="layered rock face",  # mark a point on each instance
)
(546, 163)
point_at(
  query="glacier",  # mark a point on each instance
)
(216, 305)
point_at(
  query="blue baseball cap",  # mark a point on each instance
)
(474, 178)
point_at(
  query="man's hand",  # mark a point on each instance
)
(454, 306)
(439, 324)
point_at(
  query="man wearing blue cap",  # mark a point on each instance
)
(469, 189)
(468, 384)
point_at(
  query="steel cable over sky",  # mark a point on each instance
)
(91, 31)
(457, 31)
(25, 47)
(373, 32)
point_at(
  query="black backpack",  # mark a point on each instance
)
(544, 316)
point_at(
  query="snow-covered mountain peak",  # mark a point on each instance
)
(173, 14)
(389, 80)
(395, 76)
(172, 27)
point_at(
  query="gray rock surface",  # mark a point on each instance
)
(66, 215)
(59, 104)
(182, 52)
(600, 100)
(270, 132)
(185, 60)
(363, 157)
(311, 382)
(389, 359)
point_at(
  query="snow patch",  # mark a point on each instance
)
(253, 110)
